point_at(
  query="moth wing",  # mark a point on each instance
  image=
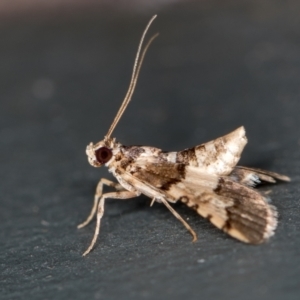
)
(252, 176)
(240, 211)
(218, 156)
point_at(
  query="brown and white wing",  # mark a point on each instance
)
(218, 156)
(238, 210)
(252, 176)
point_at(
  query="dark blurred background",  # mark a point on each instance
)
(64, 70)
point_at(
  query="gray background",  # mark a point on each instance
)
(215, 66)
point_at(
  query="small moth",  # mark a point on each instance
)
(204, 177)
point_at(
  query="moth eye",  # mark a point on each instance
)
(103, 155)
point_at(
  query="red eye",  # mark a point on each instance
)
(103, 155)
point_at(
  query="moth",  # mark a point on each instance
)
(205, 177)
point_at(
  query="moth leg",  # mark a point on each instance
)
(152, 202)
(177, 215)
(97, 196)
(100, 211)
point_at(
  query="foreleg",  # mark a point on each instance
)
(97, 196)
(100, 211)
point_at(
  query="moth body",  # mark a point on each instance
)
(205, 177)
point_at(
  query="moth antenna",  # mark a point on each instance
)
(135, 73)
(124, 104)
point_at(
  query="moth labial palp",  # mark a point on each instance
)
(205, 177)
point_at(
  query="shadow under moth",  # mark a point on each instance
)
(205, 178)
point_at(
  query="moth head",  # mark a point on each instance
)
(99, 154)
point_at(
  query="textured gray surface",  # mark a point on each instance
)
(213, 68)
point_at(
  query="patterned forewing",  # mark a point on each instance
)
(217, 157)
(238, 210)
(234, 208)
